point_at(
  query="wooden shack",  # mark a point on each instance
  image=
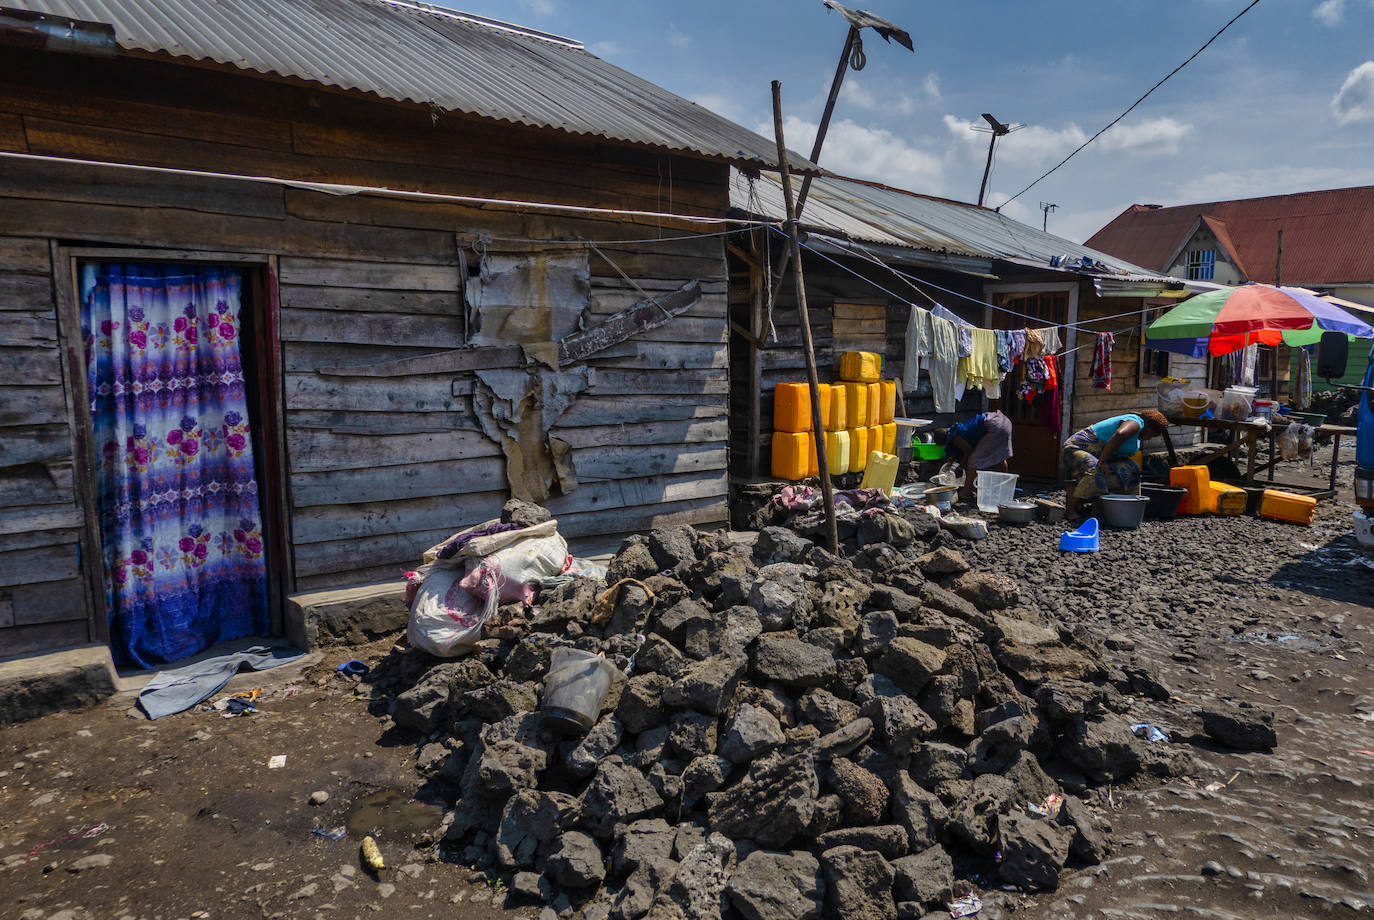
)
(437, 271)
(871, 252)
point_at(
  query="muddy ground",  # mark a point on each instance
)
(106, 815)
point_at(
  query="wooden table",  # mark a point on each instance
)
(1248, 434)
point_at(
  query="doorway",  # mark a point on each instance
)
(183, 450)
(1035, 439)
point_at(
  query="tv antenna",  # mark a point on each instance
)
(1047, 207)
(996, 129)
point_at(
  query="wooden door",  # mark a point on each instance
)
(1035, 446)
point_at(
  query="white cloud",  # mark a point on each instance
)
(1031, 146)
(678, 38)
(867, 153)
(539, 7)
(606, 49)
(861, 94)
(1157, 135)
(1038, 145)
(1329, 12)
(1354, 101)
(1270, 180)
(931, 85)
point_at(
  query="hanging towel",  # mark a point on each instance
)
(944, 363)
(1101, 369)
(918, 344)
(980, 369)
(1035, 345)
(1049, 335)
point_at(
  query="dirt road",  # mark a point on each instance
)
(103, 815)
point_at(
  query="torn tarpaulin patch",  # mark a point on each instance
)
(516, 409)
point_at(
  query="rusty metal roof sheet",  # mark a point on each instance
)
(871, 213)
(1326, 234)
(416, 52)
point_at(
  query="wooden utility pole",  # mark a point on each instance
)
(817, 425)
(851, 56)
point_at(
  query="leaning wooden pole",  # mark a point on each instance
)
(817, 425)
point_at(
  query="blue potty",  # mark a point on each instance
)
(1082, 540)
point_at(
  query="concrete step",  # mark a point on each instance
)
(35, 685)
(353, 615)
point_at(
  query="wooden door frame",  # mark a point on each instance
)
(273, 491)
(1070, 331)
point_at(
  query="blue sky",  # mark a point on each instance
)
(1283, 102)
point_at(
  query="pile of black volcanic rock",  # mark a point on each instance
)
(794, 734)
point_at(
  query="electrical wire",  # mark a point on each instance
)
(912, 280)
(1066, 159)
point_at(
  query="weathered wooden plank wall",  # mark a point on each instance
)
(382, 463)
(42, 592)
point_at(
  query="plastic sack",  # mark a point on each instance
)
(512, 570)
(1305, 436)
(446, 620)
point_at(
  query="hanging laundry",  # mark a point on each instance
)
(1049, 335)
(980, 369)
(1035, 345)
(1249, 358)
(965, 328)
(1101, 370)
(1302, 390)
(944, 363)
(1004, 358)
(918, 347)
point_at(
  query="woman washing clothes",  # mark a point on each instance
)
(980, 443)
(1100, 458)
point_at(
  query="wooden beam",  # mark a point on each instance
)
(817, 426)
(648, 314)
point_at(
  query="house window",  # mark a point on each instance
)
(1201, 264)
(1153, 362)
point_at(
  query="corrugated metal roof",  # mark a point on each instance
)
(890, 217)
(1326, 234)
(415, 52)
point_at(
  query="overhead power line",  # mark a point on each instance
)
(1066, 159)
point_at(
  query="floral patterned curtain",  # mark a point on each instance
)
(179, 517)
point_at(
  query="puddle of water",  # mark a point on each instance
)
(1287, 640)
(391, 815)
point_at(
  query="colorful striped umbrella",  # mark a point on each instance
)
(1226, 320)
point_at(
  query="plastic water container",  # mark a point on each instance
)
(792, 407)
(576, 687)
(993, 489)
(837, 452)
(881, 472)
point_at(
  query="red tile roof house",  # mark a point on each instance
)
(1327, 247)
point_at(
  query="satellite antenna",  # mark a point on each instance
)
(996, 129)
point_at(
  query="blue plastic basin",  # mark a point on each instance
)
(1082, 540)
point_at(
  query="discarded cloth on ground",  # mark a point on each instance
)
(180, 689)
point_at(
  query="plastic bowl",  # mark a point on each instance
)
(1194, 406)
(1123, 511)
(928, 451)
